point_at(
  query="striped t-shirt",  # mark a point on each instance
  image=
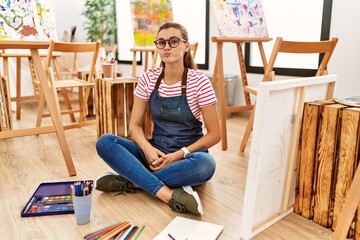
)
(199, 91)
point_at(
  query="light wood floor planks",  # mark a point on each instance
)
(28, 161)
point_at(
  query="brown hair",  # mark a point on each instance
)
(188, 60)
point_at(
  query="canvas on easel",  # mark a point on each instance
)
(20, 21)
(240, 18)
(46, 19)
(147, 17)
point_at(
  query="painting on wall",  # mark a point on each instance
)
(26, 20)
(240, 18)
(147, 16)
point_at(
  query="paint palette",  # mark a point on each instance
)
(51, 198)
(349, 101)
(56, 199)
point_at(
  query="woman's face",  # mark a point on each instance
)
(170, 54)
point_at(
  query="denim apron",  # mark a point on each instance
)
(174, 124)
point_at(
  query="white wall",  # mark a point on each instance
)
(344, 25)
(345, 61)
(68, 14)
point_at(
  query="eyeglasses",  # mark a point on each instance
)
(173, 42)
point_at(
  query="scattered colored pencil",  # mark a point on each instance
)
(138, 233)
(117, 231)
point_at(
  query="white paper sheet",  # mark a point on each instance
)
(182, 228)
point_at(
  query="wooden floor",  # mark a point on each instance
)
(26, 162)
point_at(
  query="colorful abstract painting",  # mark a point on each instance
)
(47, 19)
(240, 18)
(19, 20)
(147, 16)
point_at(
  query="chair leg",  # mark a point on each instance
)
(248, 130)
(83, 104)
(68, 103)
(40, 108)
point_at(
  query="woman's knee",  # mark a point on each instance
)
(103, 141)
(207, 164)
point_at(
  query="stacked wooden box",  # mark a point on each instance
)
(327, 159)
(114, 100)
(5, 107)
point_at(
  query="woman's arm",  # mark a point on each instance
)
(212, 124)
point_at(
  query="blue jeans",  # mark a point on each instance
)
(127, 159)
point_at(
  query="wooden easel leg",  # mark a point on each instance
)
(134, 65)
(215, 74)
(54, 112)
(351, 203)
(222, 95)
(18, 88)
(40, 108)
(248, 130)
(243, 73)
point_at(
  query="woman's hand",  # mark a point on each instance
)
(152, 154)
(165, 160)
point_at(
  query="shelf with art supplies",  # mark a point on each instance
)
(55, 198)
(122, 230)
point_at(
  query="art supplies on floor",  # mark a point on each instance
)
(119, 231)
(52, 198)
(184, 228)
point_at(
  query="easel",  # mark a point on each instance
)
(57, 127)
(146, 50)
(219, 75)
(18, 55)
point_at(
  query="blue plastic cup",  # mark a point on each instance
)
(82, 208)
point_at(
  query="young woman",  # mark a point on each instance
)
(176, 157)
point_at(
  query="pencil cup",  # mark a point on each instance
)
(108, 70)
(82, 208)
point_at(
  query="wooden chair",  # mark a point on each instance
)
(193, 49)
(110, 49)
(63, 84)
(281, 46)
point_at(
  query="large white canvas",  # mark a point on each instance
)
(274, 127)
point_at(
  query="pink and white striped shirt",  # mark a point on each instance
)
(199, 91)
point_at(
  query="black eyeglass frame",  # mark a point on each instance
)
(156, 42)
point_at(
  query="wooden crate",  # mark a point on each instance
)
(327, 159)
(114, 103)
(5, 106)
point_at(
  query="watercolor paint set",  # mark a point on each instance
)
(51, 198)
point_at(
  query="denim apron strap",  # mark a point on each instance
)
(174, 123)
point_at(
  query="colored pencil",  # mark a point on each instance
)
(131, 233)
(125, 234)
(103, 230)
(115, 231)
(138, 233)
